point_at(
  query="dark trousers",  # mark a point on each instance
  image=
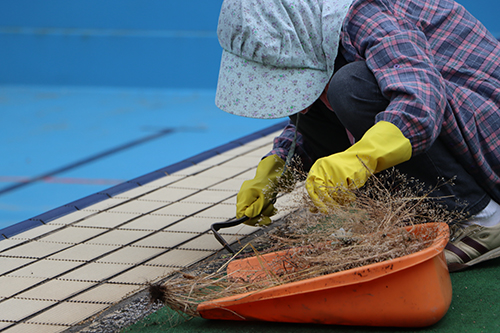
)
(356, 99)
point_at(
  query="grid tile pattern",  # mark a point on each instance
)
(77, 265)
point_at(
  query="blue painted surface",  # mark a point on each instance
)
(112, 14)
(109, 60)
(84, 202)
(126, 43)
(88, 86)
(486, 11)
(91, 139)
(162, 44)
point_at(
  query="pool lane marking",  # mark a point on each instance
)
(106, 153)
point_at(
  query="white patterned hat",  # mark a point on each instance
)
(278, 55)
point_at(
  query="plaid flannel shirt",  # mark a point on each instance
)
(282, 144)
(440, 69)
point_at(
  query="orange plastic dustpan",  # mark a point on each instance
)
(410, 291)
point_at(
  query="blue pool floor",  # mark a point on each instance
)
(59, 144)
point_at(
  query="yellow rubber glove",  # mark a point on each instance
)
(256, 195)
(380, 148)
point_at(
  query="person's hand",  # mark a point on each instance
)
(331, 178)
(256, 196)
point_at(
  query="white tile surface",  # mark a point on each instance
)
(164, 181)
(118, 237)
(191, 170)
(36, 232)
(94, 272)
(10, 286)
(242, 162)
(143, 274)
(218, 159)
(140, 206)
(150, 222)
(181, 209)
(83, 252)
(221, 212)
(204, 242)
(5, 324)
(17, 309)
(107, 219)
(9, 243)
(260, 152)
(221, 172)
(134, 192)
(37, 328)
(72, 235)
(249, 174)
(7, 264)
(241, 229)
(207, 197)
(35, 249)
(107, 292)
(71, 218)
(117, 242)
(130, 255)
(193, 224)
(198, 182)
(105, 204)
(68, 313)
(231, 202)
(56, 290)
(179, 258)
(45, 269)
(170, 194)
(164, 240)
(231, 185)
(240, 150)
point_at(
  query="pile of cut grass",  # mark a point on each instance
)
(353, 234)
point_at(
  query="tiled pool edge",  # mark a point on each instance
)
(84, 202)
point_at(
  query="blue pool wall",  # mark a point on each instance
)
(119, 43)
(125, 43)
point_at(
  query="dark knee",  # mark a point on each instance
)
(355, 96)
(350, 85)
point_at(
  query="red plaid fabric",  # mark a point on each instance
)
(440, 69)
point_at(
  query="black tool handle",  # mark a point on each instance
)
(216, 226)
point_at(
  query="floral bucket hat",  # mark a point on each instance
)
(278, 55)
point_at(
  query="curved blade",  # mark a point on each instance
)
(219, 225)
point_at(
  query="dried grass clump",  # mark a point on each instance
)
(353, 234)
